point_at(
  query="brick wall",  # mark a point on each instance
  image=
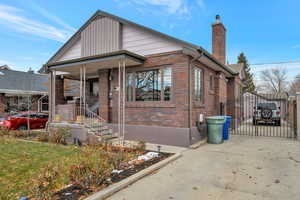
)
(104, 94)
(59, 90)
(219, 42)
(234, 108)
(2, 103)
(212, 97)
(172, 113)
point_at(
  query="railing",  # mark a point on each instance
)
(90, 119)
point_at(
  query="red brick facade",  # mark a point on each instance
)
(219, 42)
(212, 96)
(104, 94)
(59, 90)
(234, 103)
(173, 113)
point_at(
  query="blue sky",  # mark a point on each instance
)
(265, 30)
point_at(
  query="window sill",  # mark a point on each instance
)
(198, 105)
(150, 104)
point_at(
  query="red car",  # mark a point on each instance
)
(19, 121)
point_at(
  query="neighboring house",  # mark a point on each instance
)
(168, 82)
(17, 88)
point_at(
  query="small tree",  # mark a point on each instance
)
(274, 80)
(250, 86)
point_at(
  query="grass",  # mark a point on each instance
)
(20, 161)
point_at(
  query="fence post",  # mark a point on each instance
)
(298, 114)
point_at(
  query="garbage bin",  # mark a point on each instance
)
(215, 129)
(226, 127)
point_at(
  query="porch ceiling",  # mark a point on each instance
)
(71, 68)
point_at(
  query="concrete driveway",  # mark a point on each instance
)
(243, 168)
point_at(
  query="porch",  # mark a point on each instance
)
(90, 109)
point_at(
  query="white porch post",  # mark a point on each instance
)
(54, 94)
(50, 98)
(119, 102)
(84, 88)
(124, 101)
(80, 91)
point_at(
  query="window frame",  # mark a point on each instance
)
(202, 88)
(162, 95)
(211, 82)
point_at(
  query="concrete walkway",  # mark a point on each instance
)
(243, 168)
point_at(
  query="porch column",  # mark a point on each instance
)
(104, 94)
(298, 114)
(2, 103)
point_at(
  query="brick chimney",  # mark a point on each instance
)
(219, 40)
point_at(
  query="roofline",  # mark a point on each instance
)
(82, 60)
(125, 21)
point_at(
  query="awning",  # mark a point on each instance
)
(111, 60)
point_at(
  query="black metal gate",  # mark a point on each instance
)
(257, 114)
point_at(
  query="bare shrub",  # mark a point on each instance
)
(59, 135)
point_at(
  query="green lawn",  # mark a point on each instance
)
(21, 160)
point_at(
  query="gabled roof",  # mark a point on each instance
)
(237, 67)
(12, 81)
(100, 13)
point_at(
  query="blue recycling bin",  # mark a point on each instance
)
(226, 127)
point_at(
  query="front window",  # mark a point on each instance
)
(167, 83)
(150, 85)
(198, 84)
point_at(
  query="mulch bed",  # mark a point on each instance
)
(75, 192)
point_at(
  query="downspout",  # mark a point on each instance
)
(190, 93)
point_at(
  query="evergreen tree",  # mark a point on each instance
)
(250, 86)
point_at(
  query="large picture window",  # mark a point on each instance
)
(198, 84)
(150, 85)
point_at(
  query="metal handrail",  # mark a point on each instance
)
(92, 120)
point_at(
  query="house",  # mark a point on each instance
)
(17, 88)
(146, 85)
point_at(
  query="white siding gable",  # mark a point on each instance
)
(144, 43)
(73, 52)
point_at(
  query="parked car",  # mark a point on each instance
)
(267, 113)
(20, 121)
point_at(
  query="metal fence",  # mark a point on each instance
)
(259, 114)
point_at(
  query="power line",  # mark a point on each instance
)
(273, 63)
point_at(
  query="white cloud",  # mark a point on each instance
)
(171, 7)
(296, 46)
(14, 18)
(43, 12)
